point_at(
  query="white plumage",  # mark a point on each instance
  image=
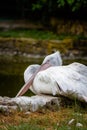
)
(62, 80)
(69, 80)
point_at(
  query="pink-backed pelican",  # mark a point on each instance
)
(53, 78)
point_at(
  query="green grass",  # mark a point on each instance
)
(50, 120)
(35, 125)
(29, 33)
(25, 126)
(38, 34)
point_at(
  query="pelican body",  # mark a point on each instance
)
(31, 71)
(55, 79)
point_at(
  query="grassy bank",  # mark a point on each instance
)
(41, 42)
(38, 34)
(46, 119)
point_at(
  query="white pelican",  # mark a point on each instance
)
(69, 80)
(31, 71)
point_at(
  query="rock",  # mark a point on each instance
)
(79, 125)
(25, 103)
(71, 121)
(27, 113)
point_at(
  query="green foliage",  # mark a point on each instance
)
(73, 4)
(25, 126)
(60, 3)
(38, 5)
(41, 9)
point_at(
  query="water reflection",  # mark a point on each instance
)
(9, 84)
(11, 75)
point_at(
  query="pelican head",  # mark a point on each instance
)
(54, 59)
(31, 71)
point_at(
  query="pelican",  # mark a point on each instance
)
(32, 70)
(53, 78)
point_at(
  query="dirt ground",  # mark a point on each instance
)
(43, 118)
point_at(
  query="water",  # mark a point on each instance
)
(11, 73)
(10, 84)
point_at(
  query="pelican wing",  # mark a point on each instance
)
(62, 80)
(80, 68)
(73, 83)
(45, 84)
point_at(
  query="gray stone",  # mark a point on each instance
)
(32, 104)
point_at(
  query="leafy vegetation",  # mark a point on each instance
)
(42, 9)
(73, 4)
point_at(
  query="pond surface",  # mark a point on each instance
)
(11, 73)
